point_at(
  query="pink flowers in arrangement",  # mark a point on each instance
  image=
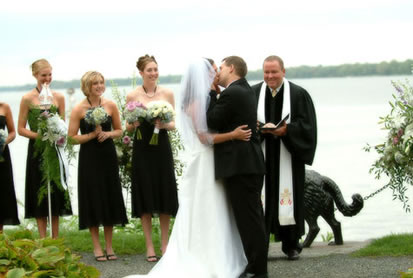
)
(135, 112)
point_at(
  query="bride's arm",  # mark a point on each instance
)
(240, 133)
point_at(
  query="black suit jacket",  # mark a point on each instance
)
(236, 105)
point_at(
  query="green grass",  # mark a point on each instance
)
(126, 240)
(391, 245)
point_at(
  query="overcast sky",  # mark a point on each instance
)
(109, 36)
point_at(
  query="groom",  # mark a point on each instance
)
(240, 163)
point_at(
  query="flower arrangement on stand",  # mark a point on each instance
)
(396, 153)
(3, 138)
(159, 110)
(55, 151)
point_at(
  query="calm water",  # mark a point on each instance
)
(348, 110)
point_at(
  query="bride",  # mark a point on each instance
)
(205, 241)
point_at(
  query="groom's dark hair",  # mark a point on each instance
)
(239, 65)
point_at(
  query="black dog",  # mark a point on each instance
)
(320, 194)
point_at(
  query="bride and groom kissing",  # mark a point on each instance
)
(219, 230)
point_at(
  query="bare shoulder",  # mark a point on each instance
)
(132, 95)
(28, 97)
(109, 103)
(58, 95)
(165, 91)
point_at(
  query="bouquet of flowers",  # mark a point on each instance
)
(396, 152)
(3, 137)
(135, 111)
(159, 110)
(52, 146)
(53, 129)
(96, 116)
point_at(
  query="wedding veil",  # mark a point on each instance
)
(193, 101)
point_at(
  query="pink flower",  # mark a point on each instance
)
(126, 140)
(395, 140)
(139, 104)
(45, 114)
(131, 105)
(60, 141)
(400, 133)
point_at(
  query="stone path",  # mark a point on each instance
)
(319, 261)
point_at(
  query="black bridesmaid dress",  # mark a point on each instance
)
(8, 203)
(154, 188)
(99, 189)
(59, 198)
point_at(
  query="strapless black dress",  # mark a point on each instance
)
(8, 203)
(100, 196)
(154, 188)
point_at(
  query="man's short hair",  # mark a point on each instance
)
(275, 58)
(239, 65)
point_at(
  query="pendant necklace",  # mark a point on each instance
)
(154, 92)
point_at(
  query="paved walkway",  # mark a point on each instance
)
(319, 261)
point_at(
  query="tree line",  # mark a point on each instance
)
(345, 70)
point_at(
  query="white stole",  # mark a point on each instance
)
(285, 194)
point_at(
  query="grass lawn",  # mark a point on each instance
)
(391, 245)
(130, 240)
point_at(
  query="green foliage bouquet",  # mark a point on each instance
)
(396, 152)
(54, 148)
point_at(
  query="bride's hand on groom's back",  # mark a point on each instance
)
(242, 133)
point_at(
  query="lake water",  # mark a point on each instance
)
(348, 110)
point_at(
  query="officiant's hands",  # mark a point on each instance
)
(281, 131)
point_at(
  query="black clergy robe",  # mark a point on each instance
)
(300, 141)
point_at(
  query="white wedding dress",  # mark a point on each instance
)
(205, 242)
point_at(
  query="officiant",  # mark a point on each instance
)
(287, 149)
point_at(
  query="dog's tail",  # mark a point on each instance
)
(347, 210)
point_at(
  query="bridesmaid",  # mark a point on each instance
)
(99, 190)
(8, 203)
(154, 189)
(29, 111)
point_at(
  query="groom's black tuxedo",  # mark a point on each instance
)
(237, 105)
(241, 166)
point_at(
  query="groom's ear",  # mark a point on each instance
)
(231, 69)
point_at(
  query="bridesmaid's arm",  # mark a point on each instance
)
(10, 125)
(22, 120)
(74, 125)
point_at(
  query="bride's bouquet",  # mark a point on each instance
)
(159, 110)
(96, 116)
(3, 137)
(135, 111)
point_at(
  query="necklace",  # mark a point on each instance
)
(88, 100)
(154, 92)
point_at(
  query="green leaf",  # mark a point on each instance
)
(4, 262)
(16, 273)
